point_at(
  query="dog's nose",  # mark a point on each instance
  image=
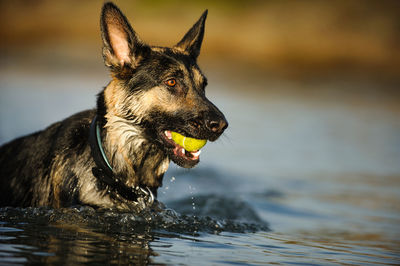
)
(217, 126)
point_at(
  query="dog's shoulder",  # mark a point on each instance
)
(26, 162)
(70, 133)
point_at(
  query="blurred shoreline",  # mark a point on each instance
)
(287, 38)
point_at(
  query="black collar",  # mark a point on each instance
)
(104, 172)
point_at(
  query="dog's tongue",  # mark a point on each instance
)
(181, 152)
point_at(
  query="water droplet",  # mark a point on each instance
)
(172, 179)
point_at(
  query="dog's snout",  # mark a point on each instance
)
(217, 125)
(210, 122)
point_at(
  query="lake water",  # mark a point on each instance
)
(308, 173)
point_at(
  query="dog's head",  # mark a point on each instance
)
(160, 90)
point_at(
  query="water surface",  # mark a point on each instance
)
(307, 173)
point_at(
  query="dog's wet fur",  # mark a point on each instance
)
(153, 90)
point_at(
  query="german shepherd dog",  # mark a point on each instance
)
(115, 156)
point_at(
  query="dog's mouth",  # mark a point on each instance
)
(188, 157)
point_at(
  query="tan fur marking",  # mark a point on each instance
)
(56, 179)
(163, 167)
(197, 76)
(113, 95)
(130, 181)
(158, 49)
(181, 50)
(160, 98)
(156, 95)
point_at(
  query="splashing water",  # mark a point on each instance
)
(153, 219)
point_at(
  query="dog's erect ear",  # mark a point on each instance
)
(121, 45)
(191, 42)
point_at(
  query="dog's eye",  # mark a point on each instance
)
(171, 82)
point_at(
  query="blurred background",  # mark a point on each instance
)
(310, 88)
(305, 38)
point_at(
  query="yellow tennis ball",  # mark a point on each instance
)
(189, 144)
